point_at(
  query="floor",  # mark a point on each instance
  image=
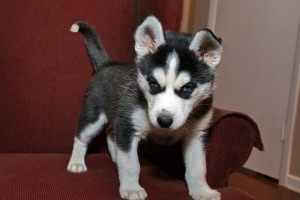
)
(260, 187)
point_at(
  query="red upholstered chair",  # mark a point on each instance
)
(43, 73)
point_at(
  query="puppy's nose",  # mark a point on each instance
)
(164, 121)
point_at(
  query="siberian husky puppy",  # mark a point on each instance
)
(167, 95)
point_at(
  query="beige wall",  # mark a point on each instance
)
(186, 16)
(201, 10)
(295, 152)
(294, 169)
(295, 158)
(195, 15)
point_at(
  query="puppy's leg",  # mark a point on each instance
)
(111, 144)
(129, 171)
(76, 162)
(195, 161)
(81, 141)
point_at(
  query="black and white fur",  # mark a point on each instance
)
(166, 95)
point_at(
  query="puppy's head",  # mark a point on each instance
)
(175, 71)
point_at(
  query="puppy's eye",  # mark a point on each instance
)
(186, 90)
(154, 86)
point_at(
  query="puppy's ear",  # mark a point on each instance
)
(207, 47)
(148, 36)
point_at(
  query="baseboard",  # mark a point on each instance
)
(293, 183)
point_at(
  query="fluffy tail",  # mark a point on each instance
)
(96, 51)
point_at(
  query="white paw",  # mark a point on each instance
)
(133, 193)
(77, 163)
(207, 194)
(77, 167)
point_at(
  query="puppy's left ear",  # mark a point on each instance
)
(148, 36)
(207, 47)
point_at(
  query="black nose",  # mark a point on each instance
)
(164, 121)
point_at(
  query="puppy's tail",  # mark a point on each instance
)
(96, 51)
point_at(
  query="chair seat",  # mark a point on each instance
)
(44, 176)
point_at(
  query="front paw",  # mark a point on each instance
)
(133, 193)
(77, 167)
(206, 194)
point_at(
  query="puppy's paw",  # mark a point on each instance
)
(206, 194)
(133, 193)
(77, 167)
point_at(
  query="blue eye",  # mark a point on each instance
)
(154, 86)
(186, 90)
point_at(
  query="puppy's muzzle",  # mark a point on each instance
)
(165, 120)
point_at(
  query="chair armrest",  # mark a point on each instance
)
(230, 140)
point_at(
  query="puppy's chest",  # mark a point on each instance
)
(162, 136)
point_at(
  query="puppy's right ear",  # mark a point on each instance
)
(148, 36)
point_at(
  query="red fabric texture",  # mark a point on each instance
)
(220, 114)
(233, 136)
(44, 176)
(44, 67)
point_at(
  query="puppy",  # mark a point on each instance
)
(167, 95)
